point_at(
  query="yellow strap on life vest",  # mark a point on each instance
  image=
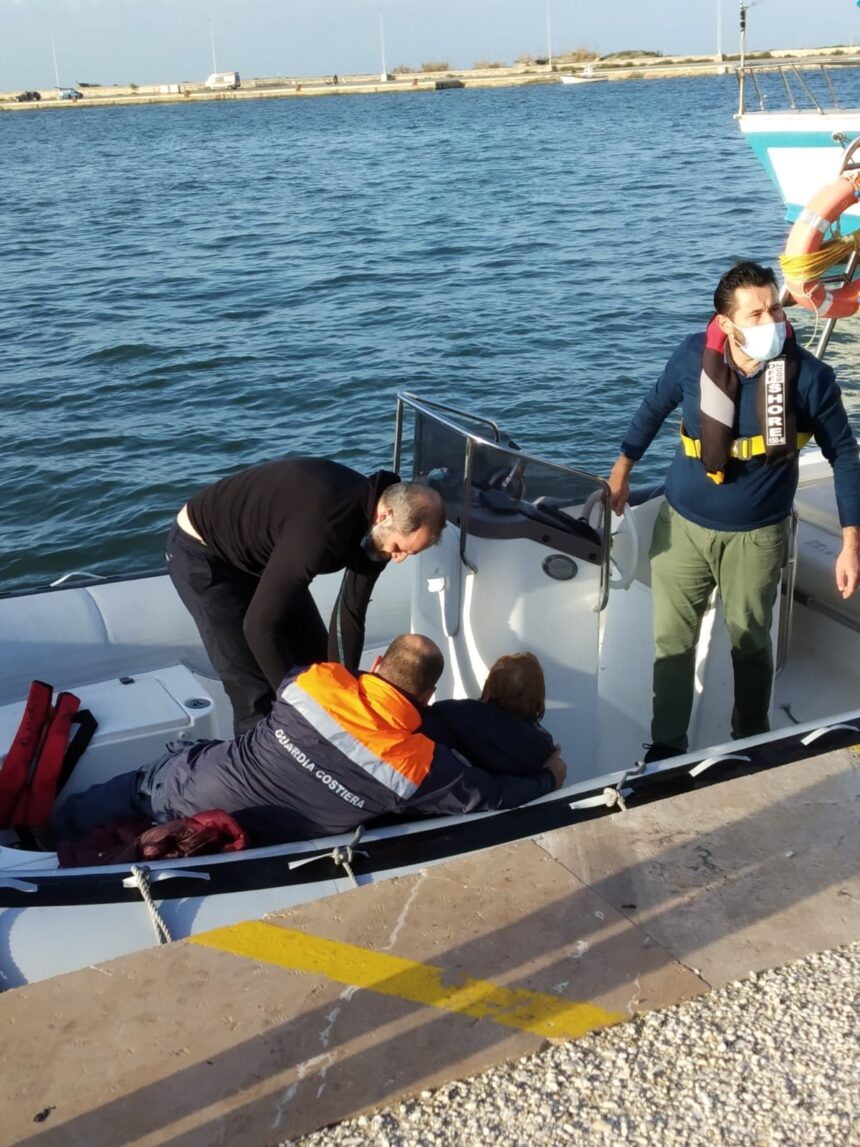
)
(741, 448)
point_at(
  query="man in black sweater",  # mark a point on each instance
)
(243, 552)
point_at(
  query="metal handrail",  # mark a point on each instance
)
(428, 406)
(792, 74)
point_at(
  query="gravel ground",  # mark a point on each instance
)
(770, 1061)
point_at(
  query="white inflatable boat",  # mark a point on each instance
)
(529, 560)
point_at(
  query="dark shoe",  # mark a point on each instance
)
(658, 752)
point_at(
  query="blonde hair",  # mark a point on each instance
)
(516, 684)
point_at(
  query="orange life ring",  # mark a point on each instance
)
(806, 237)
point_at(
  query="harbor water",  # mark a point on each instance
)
(188, 290)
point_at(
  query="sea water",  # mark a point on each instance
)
(191, 289)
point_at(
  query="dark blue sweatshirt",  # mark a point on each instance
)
(753, 494)
(488, 737)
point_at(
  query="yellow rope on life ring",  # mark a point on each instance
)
(802, 268)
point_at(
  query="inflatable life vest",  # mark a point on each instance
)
(41, 758)
(807, 236)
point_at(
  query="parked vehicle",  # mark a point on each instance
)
(70, 94)
(28, 97)
(222, 80)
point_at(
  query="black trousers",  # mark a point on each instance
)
(217, 596)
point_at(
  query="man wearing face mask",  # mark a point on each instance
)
(750, 398)
(243, 552)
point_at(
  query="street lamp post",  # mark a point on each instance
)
(384, 74)
(720, 29)
(212, 46)
(548, 36)
(56, 68)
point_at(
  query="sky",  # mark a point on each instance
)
(160, 41)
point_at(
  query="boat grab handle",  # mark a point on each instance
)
(17, 885)
(824, 730)
(697, 770)
(157, 874)
(82, 575)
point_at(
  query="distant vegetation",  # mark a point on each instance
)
(403, 70)
(435, 66)
(577, 55)
(629, 54)
(483, 65)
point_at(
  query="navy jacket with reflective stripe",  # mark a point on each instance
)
(286, 780)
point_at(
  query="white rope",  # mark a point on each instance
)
(140, 872)
(609, 798)
(616, 797)
(342, 856)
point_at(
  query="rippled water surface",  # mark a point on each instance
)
(187, 290)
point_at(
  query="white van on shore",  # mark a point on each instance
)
(222, 80)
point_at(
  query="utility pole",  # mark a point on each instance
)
(212, 45)
(548, 35)
(384, 74)
(720, 29)
(56, 68)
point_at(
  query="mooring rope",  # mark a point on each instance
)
(140, 872)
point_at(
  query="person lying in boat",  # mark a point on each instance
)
(243, 552)
(335, 752)
(751, 397)
(502, 732)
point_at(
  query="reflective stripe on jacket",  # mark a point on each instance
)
(336, 751)
(367, 720)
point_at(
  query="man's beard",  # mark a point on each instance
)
(371, 542)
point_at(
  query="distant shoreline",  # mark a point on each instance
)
(613, 69)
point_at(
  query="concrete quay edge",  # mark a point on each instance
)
(271, 1029)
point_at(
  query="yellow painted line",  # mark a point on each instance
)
(542, 1015)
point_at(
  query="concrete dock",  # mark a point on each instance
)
(271, 1029)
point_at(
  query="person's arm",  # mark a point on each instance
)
(346, 629)
(833, 434)
(848, 562)
(454, 786)
(666, 394)
(282, 625)
(619, 486)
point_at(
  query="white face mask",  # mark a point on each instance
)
(763, 342)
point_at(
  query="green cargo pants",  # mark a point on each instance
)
(687, 562)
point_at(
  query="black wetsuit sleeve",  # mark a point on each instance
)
(282, 625)
(346, 630)
(454, 786)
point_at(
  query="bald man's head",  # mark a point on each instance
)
(412, 663)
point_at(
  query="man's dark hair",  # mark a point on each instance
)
(413, 664)
(414, 506)
(746, 274)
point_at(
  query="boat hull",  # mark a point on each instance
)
(801, 152)
(51, 922)
(524, 570)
